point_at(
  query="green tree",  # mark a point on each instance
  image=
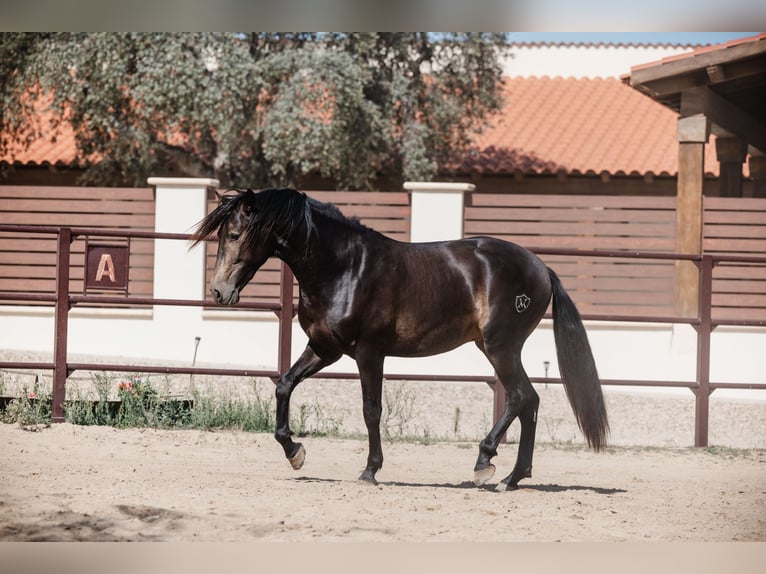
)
(255, 109)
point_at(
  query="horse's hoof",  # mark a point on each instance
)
(296, 461)
(483, 475)
(369, 477)
(504, 486)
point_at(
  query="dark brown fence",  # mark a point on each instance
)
(736, 227)
(618, 266)
(611, 286)
(28, 260)
(63, 299)
(732, 227)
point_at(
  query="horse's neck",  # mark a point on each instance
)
(315, 256)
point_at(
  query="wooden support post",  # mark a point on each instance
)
(757, 165)
(692, 134)
(731, 153)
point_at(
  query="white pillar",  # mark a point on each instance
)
(437, 210)
(180, 203)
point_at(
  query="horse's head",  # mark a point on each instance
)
(241, 249)
(250, 226)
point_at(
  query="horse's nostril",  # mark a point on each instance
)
(217, 295)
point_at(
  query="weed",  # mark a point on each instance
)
(314, 421)
(398, 411)
(218, 412)
(32, 409)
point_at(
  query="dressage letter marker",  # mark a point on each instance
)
(106, 267)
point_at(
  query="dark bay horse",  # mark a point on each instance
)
(368, 296)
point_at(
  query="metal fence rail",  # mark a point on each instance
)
(63, 301)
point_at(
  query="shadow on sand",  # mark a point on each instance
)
(469, 485)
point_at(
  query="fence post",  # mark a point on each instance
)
(285, 315)
(180, 203)
(60, 367)
(704, 329)
(437, 210)
(693, 132)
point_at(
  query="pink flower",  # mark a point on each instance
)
(32, 395)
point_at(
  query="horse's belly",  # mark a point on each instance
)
(419, 339)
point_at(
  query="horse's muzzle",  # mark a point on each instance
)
(229, 297)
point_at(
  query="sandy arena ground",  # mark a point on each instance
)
(73, 483)
(76, 483)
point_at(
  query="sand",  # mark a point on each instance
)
(75, 483)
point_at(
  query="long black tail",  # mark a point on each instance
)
(577, 367)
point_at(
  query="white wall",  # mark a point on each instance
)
(248, 339)
(582, 61)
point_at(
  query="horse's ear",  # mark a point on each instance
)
(223, 199)
(249, 200)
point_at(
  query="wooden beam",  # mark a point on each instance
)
(691, 167)
(693, 63)
(703, 100)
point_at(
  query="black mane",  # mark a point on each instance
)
(272, 210)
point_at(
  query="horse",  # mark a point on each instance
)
(369, 296)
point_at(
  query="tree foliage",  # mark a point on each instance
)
(254, 109)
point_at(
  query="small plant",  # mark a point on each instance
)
(398, 411)
(213, 412)
(78, 410)
(138, 402)
(32, 409)
(313, 420)
(101, 414)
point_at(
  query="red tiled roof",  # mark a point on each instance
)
(62, 151)
(579, 126)
(547, 125)
(703, 50)
(56, 147)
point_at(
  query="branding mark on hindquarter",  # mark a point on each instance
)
(522, 303)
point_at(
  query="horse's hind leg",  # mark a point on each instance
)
(520, 400)
(528, 418)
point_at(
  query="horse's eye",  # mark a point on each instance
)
(233, 236)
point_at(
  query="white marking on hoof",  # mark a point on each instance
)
(482, 476)
(297, 461)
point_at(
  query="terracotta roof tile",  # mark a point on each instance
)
(547, 125)
(703, 50)
(579, 125)
(56, 147)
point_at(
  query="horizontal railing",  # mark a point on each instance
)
(63, 301)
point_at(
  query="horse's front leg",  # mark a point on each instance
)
(307, 364)
(371, 374)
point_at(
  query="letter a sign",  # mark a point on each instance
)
(106, 267)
